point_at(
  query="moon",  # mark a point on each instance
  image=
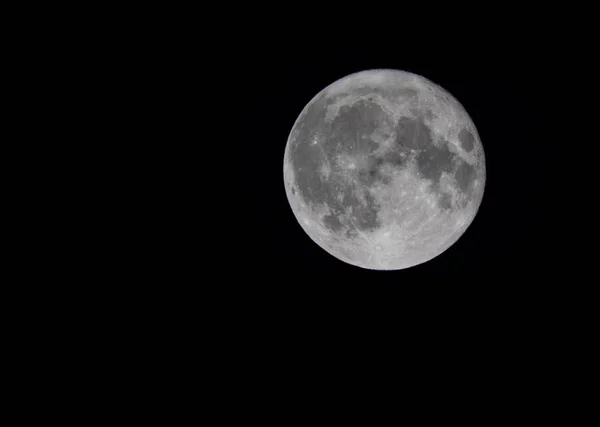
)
(384, 169)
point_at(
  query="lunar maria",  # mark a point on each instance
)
(384, 169)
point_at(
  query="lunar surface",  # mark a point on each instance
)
(384, 169)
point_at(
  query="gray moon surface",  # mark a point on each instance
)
(384, 169)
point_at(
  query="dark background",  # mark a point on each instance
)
(245, 283)
(507, 268)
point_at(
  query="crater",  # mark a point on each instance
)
(467, 140)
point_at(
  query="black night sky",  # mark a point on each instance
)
(242, 282)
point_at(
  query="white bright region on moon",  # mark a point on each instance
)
(384, 169)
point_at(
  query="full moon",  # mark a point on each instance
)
(384, 169)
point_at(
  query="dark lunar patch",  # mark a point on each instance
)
(467, 140)
(350, 199)
(370, 172)
(396, 158)
(373, 173)
(405, 92)
(319, 190)
(307, 159)
(433, 160)
(412, 133)
(465, 175)
(385, 179)
(366, 216)
(348, 133)
(368, 176)
(312, 121)
(351, 128)
(445, 201)
(332, 222)
(428, 114)
(306, 162)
